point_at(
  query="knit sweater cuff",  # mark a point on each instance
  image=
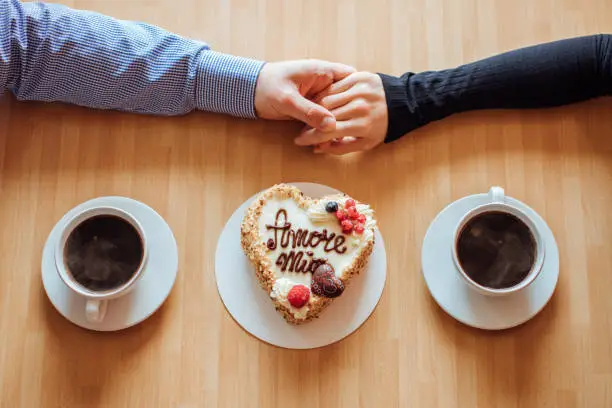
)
(401, 119)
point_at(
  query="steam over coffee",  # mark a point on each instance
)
(103, 252)
(496, 249)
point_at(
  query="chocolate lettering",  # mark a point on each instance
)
(330, 241)
(313, 235)
(285, 237)
(290, 261)
(294, 262)
(277, 227)
(301, 267)
(299, 238)
(338, 243)
(298, 261)
(281, 261)
(302, 237)
(271, 244)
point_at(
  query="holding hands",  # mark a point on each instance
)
(344, 111)
(359, 106)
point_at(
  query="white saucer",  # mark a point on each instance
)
(150, 291)
(252, 309)
(465, 304)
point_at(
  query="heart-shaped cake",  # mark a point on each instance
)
(304, 250)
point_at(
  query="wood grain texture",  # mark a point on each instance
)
(195, 170)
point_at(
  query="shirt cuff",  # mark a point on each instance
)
(226, 84)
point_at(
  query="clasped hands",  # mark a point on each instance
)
(344, 110)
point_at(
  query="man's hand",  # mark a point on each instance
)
(284, 90)
(360, 108)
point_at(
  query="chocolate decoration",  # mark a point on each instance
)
(325, 283)
(294, 261)
(302, 237)
(271, 244)
(299, 258)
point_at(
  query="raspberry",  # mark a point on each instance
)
(361, 218)
(347, 226)
(340, 215)
(359, 228)
(352, 213)
(349, 203)
(298, 296)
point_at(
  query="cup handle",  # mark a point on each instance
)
(95, 310)
(496, 194)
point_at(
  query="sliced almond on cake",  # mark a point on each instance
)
(304, 250)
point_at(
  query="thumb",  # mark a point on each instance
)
(310, 113)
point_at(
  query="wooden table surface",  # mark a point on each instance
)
(196, 170)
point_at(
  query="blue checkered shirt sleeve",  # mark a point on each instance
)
(54, 53)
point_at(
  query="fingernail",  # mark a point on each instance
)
(327, 123)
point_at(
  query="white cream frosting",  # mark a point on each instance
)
(279, 292)
(313, 219)
(318, 214)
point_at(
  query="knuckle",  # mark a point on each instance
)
(361, 106)
(362, 89)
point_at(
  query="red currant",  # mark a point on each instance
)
(352, 213)
(359, 228)
(340, 215)
(361, 218)
(349, 203)
(347, 226)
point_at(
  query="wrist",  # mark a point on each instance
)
(226, 84)
(401, 118)
(258, 97)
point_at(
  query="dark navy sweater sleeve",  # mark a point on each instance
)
(543, 75)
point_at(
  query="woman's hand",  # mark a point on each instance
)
(360, 108)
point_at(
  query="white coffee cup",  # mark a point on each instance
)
(497, 202)
(97, 301)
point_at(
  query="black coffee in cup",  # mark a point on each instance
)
(103, 252)
(496, 249)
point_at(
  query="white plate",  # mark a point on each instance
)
(464, 303)
(251, 307)
(150, 291)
